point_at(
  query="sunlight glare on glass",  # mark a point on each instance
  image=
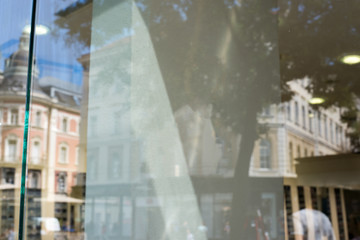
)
(40, 29)
(316, 100)
(351, 59)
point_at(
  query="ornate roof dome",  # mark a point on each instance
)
(16, 68)
(18, 58)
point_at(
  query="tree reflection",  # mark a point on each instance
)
(313, 37)
(227, 56)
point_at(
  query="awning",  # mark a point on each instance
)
(59, 198)
(342, 170)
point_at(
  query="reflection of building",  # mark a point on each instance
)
(294, 130)
(53, 167)
(113, 155)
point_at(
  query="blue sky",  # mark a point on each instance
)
(54, 57)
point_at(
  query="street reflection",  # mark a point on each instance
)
(184, 120)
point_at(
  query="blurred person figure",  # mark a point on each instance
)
(11, 234)
(189, 236)
(310, 224)
(227, 230)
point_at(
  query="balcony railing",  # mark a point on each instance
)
(33, 161)
(37, 161)
(11, 159)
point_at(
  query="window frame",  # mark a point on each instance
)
(66, 147)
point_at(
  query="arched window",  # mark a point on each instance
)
(64, 125)
(265, 154)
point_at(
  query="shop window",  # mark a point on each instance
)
(301, 197)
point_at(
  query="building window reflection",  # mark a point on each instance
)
(91, 166)
(93, 126)
(325, 127)
(34, 179)
(288, 110)
(14, 115)
(61, 182)
(38, 119)
(11, 149)
(291, 156)
(296, 112)
(77, 157)
(115, 162)
(63, 153)
(64, 125)
(311, 116)
(35, 152)
(319, 123)
(8, 176)
(265, 154)
(303, 116)
(117, 122)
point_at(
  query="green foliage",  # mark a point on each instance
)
(313, 36)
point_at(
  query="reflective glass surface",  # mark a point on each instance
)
(14, 51)
(182, 120)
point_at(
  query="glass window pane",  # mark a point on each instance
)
(14, 54)
(186, 120)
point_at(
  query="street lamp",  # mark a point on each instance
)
(316, 100)
(351, 59)
(39, 30)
